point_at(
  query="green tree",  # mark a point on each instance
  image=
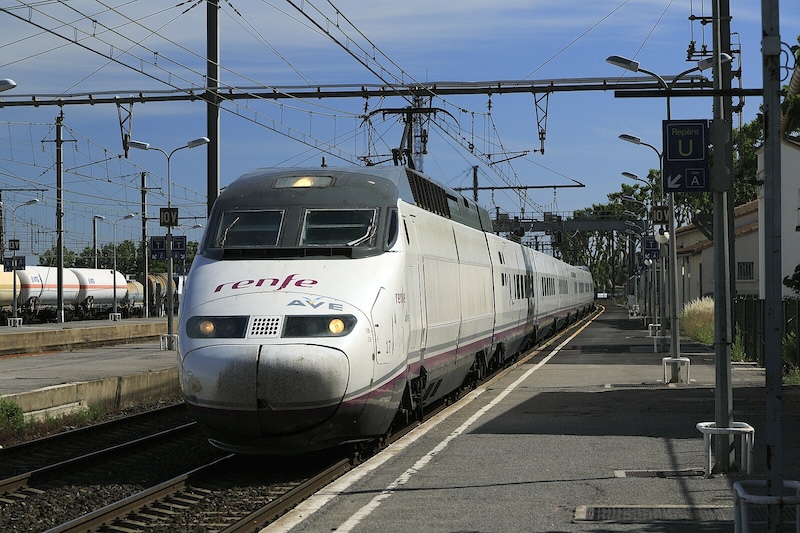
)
(793, 281)
(791, 104)
(86, 258)
(50, 257)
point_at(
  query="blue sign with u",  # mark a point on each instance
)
(685, 155)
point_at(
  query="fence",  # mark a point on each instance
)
(749, 319)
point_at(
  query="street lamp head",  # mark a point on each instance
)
(98, 217)
(630, 175)
(200, 141)
(630, 138)
(129, 216)
(623, 62)
(30, 202)
(662, 237)
(634, 200)
(139, 145)
(6, 84)
(708, 62)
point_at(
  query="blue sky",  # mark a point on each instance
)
(271, 43)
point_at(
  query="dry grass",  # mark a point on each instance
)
(697, 320)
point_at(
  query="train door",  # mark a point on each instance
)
(384, 320)
(415, 290)
(529, 291)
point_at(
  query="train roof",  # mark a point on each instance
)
(392, 182)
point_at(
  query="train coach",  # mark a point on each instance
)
(325, 303)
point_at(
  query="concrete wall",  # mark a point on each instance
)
(110, 393)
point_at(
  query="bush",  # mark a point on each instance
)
(11, 417)
(738, 353)
(697, 320)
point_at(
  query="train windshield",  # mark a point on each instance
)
(339, 227)
(247, 229)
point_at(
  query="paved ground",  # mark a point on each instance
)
(587, 440)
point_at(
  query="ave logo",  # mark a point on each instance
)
(315, 303)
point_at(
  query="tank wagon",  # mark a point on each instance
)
(325, 303)
(87, 293)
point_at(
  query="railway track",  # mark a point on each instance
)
(129, 481)
(52, 449)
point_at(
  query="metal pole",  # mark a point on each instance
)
(60, 218)
(170, 307)
(114, 271)
(145, 254)
(94, 239)
(212, 105)
(722, 185)
(773, 319)
(675, 342)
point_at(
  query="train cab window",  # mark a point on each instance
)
(339, 227)
(246, 229)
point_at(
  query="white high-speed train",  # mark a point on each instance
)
(324, 303)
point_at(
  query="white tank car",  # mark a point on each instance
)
(40, 286)
(97, 286)
(323, 303)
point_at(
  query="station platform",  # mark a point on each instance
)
(52, 369)
(48, 337)
(587, 439)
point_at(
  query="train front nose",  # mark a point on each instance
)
(263, 391)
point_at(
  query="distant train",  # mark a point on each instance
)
(326, 303)
(87, 293)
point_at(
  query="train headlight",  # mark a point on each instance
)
(318, 326)
(217, 327)
(336, 326)
(206, 327)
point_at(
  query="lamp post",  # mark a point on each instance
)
(14, 255)
(656, 296)
(674, 337)
(633, 66)
(194, 143)
(95, 219)
(651, 185)
(114, 272)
